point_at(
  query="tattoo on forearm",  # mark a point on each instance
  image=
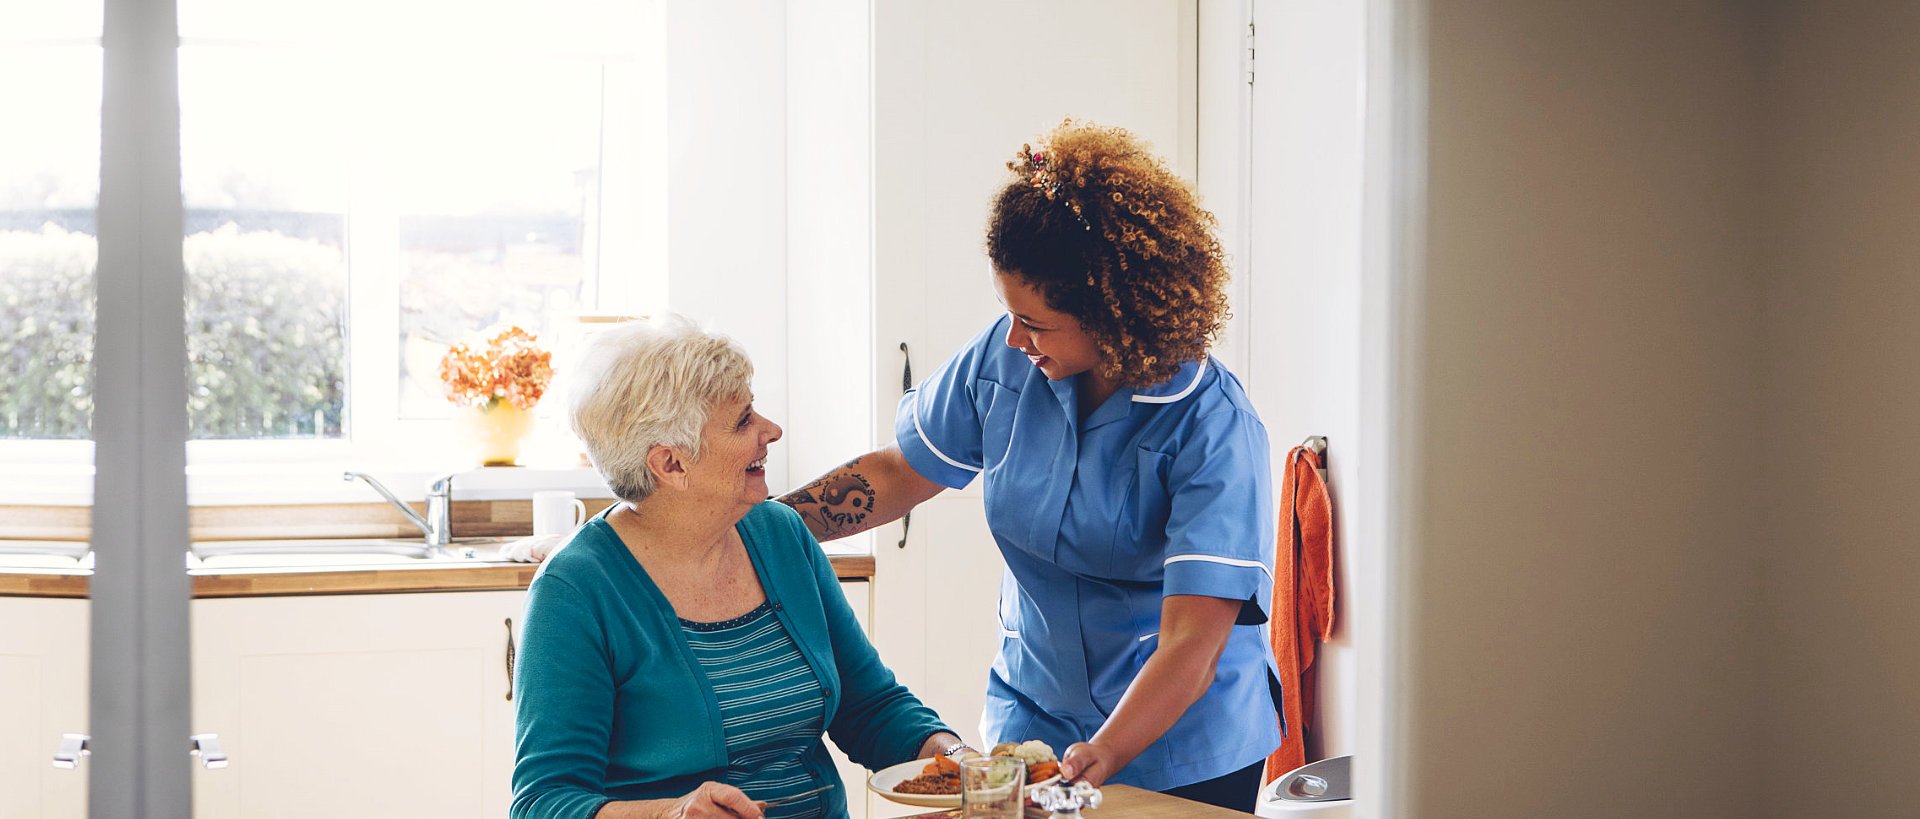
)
(836, 504)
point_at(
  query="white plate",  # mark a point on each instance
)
(883, 781)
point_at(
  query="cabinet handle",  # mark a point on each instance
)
(207, 747)
(510, 651)
(72, 748)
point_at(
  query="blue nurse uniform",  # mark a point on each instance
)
(1163, 490)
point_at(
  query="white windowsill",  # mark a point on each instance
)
(46, 484)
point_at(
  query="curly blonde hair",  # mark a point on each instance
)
(1110, 236)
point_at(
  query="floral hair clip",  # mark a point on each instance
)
(1039, 171)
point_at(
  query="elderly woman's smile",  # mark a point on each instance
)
(734, 449)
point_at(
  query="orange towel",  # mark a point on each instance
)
(1302, 598)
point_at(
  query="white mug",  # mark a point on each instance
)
(557, 512)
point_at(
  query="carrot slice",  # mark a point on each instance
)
(1042, 770)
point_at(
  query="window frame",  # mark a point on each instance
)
(376, 437)
(375, 430)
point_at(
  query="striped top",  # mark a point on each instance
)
(772, 708)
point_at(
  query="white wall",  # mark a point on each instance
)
(1580, 611)
(1842, 281)
(726, 183)
(829, 286)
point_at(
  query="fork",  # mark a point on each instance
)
(795, 797)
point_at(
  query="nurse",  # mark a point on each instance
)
(1125, 476)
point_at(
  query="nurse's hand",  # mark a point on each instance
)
(1085, 760)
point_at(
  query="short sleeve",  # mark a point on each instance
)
(938, 422)
(1221, 526)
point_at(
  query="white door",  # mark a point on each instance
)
(958, 88)
(361, 705)
(1303, 271)
(43, 694)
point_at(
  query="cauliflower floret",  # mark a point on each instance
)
(1034, 751)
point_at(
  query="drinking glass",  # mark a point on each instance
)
(992, 787)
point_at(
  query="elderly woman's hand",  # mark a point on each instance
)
(713, 800)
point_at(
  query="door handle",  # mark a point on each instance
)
(207, 747)
(906, 368)
(72, 748)
(906, 383)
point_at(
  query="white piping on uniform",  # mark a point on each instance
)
(918, 430)
(1225, 561)
(1168, 399)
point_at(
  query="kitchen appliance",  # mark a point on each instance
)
(1321, 790)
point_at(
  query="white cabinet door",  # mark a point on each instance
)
(43, 694)
(360, 705)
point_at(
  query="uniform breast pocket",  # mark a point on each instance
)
(996, 406)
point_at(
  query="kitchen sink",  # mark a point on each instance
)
(337, 552)
(45, 554)
(72, 550)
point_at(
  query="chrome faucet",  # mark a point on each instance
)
(438, 524)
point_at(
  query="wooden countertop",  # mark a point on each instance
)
(375, 579)
(23, 583)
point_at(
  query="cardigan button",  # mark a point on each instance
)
(777, 607)
(825, 691)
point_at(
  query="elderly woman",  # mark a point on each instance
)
(684, 654)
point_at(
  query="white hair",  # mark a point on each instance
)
(646, 383)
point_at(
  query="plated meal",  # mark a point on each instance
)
(936, 782)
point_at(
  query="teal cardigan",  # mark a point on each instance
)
(613, 705)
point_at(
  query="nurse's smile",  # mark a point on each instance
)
(1051, 340)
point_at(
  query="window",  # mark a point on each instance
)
(366, 184)
(50, 73)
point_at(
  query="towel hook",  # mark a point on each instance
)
(1317, 444)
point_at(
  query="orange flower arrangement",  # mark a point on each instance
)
(512, 369)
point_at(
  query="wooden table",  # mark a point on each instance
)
(1126, 802)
